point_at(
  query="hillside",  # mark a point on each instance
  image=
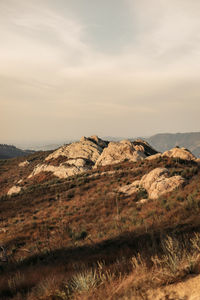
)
(100, 220)
(9, 151)
(166, 141)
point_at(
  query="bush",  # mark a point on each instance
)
(84, 281)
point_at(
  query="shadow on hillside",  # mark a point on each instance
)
(125, 245)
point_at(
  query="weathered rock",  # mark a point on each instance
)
(14, 190)
(164, 185)
(117, 152)
(78, 162)
(144, 147)
(94, 138)
(154, 156)
(149, 178)
(156, 183)
(181, 153)
(24, 163)
(84, 149)
(80, 156)
(142, 201)
(130, 189)
(61, 171)
(92, 151)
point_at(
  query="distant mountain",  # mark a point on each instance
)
(47, 147)
(10, 151)
(166, 141)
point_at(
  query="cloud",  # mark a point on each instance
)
(57, 69)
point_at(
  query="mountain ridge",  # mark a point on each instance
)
(10, 151)
(165, 141)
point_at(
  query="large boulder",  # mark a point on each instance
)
(156, 183)
(83, 149)
(130, 189)
(165, 185)
(155, 175)
(181, 153)
(78, 157)
(64, 170)
(119, 151)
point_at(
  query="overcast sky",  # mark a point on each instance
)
(111, 67)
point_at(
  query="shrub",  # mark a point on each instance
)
(142, 193)
(84, 281)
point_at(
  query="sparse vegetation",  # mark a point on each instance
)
(78, 238)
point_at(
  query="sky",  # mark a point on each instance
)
(112, 67)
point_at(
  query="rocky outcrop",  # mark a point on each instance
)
(24, 163)
(14, 190)
(84, 149)
(155, 175)
(130, 189)
(164, 186)
(117, 152)
(92, 151)
(95, 139)
(156, 183)
(181, 153)
(154, 156)
(176, 152)
(80, 156)
(72, 167)
(144, 147)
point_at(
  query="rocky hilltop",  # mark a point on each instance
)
(90, 153)
(96, 219)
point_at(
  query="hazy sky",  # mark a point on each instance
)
(108, 67)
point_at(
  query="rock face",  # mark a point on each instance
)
(84, 149)
(24, 163)
(156, 183)
(61, 171)
(181, 153)
(155, 175)
(130, 188)
(144, 147)
(176, 152)
(164, 186)
(80, 157)
(154, 156)
(95, 139)
(92, 152)
(14, 190)
(119, 151)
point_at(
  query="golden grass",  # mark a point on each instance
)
(60, 230)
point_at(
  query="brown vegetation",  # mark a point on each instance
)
(78, 238)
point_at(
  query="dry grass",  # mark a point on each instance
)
(56, 225)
